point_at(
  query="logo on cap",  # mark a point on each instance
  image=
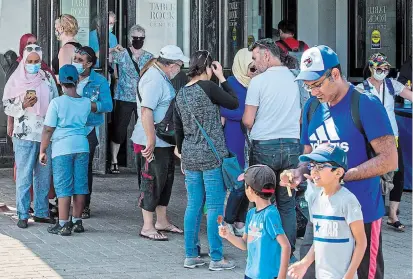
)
(308, 62)
(327, 148)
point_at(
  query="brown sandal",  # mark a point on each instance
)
(155, 236)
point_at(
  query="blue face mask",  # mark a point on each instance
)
(32, 68)
(79, 67)
(110, 28)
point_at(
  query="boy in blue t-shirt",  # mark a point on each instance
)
(264, 238)
(65, 126)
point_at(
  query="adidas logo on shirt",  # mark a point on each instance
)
(327, 133)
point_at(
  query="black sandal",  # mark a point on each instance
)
(114, 169)
(397, 225)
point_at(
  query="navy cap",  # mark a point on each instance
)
(327, 153)
(316, 61)
(68, 74)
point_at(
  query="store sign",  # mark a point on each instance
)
(235, 27)
(80, 9)
(159, 18)
(381, 28)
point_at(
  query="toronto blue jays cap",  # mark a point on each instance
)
(316, 61)
(68, 74)
(327, 153)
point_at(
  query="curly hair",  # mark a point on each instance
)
(68, 23)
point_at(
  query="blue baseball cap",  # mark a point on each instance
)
(68, 74)
(327, 153)
(316, 61)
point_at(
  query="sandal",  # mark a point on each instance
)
(397, 225)
(114, 169)
(171, 229)
(155, 236)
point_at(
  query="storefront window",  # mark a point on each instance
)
(373, 29)
(81, 10)
(166, 23)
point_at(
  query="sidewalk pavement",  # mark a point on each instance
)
(111, 247)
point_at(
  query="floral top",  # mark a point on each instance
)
(128, 77)
(28, 125)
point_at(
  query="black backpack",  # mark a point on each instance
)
(355, 116)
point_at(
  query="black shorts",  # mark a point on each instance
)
(157, 178)
(121, 118)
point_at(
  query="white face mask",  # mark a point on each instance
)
(379, 77)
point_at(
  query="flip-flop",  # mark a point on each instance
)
(114, 169)
(171, 229)
(397, 225)
(153, 238)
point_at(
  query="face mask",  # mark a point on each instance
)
(32, 68)
(174, 74)
(57, 34)
(137, 44)
(110, 28)
(380, 77)
(79, 67)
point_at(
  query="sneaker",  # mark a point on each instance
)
(221, 265)
(78, 227)
(46, 220)
(22, 224)
(86, 213)
(239, 232)
(66, 230)
(231, 229)
(193, 262)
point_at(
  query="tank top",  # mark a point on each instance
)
(55, 61)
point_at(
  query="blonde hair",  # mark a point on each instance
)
(68, 23)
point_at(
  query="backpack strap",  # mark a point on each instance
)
(355, 116)
(301, 46)
(390, 86)
(138, 71)
(285, 45)
(366, 85)
(312, 108)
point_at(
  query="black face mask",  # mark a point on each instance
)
(137, 44)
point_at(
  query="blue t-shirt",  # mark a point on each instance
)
(94, 42)
(264, 252)
(69, 116)
(335, 125)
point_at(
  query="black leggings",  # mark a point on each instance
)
(398, 180)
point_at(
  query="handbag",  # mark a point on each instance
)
(229, 165)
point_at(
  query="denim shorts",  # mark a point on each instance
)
(70, 175)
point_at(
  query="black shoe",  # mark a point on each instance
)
(46, 220)
(66, 230)
(78, 227)
(22, 224)
(86, 213)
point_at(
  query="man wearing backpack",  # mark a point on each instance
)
(288, 43)
(334, 115)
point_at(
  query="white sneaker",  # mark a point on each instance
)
(231, 229)
(239, 232)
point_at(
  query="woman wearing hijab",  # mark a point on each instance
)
(386, 89)
(243, 69)
(27, 95)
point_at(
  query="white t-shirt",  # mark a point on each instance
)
(333, 240)
(388, 100)
(277, 97)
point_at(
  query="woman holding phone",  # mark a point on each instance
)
(26, 97)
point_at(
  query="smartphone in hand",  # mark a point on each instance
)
(31, 93)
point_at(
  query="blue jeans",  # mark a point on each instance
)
(31, 172)
(70, 174)
(280, 155)
(237, 206)
(208, 185)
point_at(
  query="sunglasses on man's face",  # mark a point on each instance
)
(31, 49)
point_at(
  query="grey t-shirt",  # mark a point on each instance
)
(333, 240)
(157, 93)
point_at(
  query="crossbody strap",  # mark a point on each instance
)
(204, 133)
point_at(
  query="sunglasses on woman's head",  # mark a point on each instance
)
(206, 58)
(31, 49)
(82, 52)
